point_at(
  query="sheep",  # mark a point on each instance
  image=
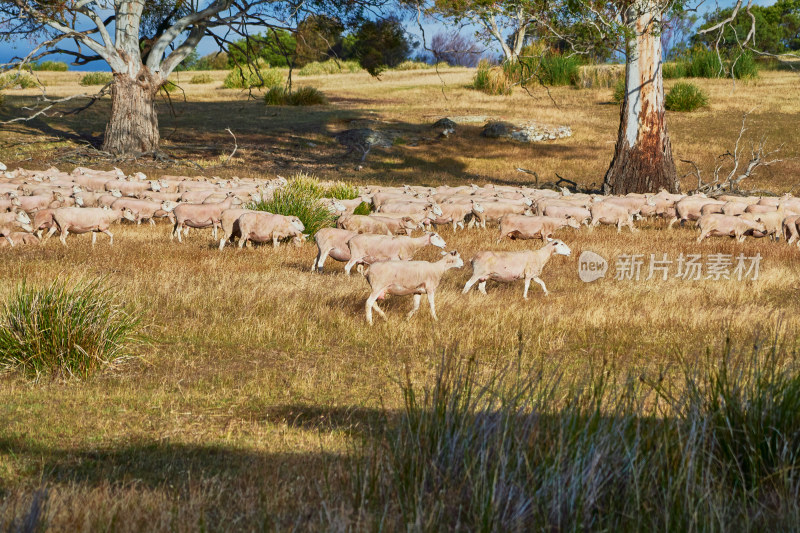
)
(18, 218)
(146, 209)
(132, 188)
(332, 242)
(265, 227)
(511, 266)
(366, 249)
(43, 220)
(772, 221)
(790, 229)
(407, 278)
(495, 210)
(363, 224)
(18, 237)
(610, 213)
(229, 222)
(456, 213)
(725, 225)
(9, 204)
(199, 216)
(533, 227)
(690, 208)
(87, 219)
(581, 214)
(401, 225)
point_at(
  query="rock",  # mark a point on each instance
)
(528, 132)
(363, 140)
(445, 127)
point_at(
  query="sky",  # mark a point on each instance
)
(21, 47)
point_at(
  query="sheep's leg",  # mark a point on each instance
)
(319, 264)
(619, 225)
(274, 241)
(214, 231)
(525, 290)
(702, 236)
(242, 241)
(482, 287)
(469, 284)
(368, 308)
(94, 238)
(222, 243)
(63, 238)
(540, 282)
(672, 221)
(11, 242)
(110, 237)
(432, 304)
(50, 233)
(415, 308)
(630, 225)
(349, 266)
(152, 222)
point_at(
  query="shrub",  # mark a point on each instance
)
(532, 451)
(317, 68)
(556, 69)
(23, 81)
(52, 66)
(169, 87)
(97, 78)
(304, 96)
(704, 63)
(246, 79)
(685, 97)
(301, 197)
(65, 331)
(416, 65)
(619, 92)
(491, 80)
(671, 71)
(342, 191)
(745, 67)
(198, 79)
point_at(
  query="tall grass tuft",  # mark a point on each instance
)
(491, 79)
(23, 81)
(705, 63)
(199, 79)
(65, 331)
(598, 76)
(619, 92)
(301, 197)
(304, 96)
(97, 78)
(685, 97)
(342, 191)
(363, 209)
(558, 70)
(529, 451)
(51, 66)
(247, 78)
(671, 71)
(319, 68)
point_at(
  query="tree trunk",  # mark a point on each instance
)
(133, 127)
(643, 154)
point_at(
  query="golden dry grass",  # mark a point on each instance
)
(260, 376)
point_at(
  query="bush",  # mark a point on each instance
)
(363, 209)
(556, 69)
(619, 92)
(51, 66)
(532, 451)
(704, 63)
(671, 71)
(301, 197)
(97, 78)
(491, 80)
(415, 65)
(23, 81)
(304, 96)
(342, 191)
(247, 79)
(317, 68)
(169, 87)
(199, 79)
(685, 97)
(64, 331)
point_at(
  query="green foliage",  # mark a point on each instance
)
(304, 96)
(301, 197)
(97, 78)
(777, 28)
(330, 66)
(317, 37)
(273, 48)
(199, 79)
(247, 78)
(673, 70)
(685, 97)
(704, 63)
(381, 44)
(189, 62)
(491, 79)
(169, 87)
(531, 451)
(212, 61)
(556, 69)
(416, 65)
(619, 92)
(342, 191)
(16, 79)
(363, 209)
(50, 66)
(65, 331)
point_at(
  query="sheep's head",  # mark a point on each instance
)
(76, 189)
(436, 240)
(127, 214)
(408, 223)
(453, 259)
(477, 208)
(155, 186)
(297, 223)
(22, 218)
(527, 201)
(14, 200)
(560, 247)
(168, 206)
(436, 209)
(572, 223)
(79, 201)
(116, 193)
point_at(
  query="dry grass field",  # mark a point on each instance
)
(259, 378)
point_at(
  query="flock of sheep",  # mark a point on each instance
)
(34, 205)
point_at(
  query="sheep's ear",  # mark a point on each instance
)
(549, 239)
(444, 253)
(454, 253)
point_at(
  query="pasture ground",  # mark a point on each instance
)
(259, 378)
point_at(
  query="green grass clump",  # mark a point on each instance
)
(619, 92)
(491, 79)
(249, 79)
(304, 96)
(331, 66)
(419, 65)
(97, 78)
(51, 66)
(558, 70)
(301, 197)
(342, 191)
(169, 87)
(685, 97)
(532, 451)
(23, 81)
(199, 79)
(363, 209)
(705, 63)
(65, 331)
(671, 71)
